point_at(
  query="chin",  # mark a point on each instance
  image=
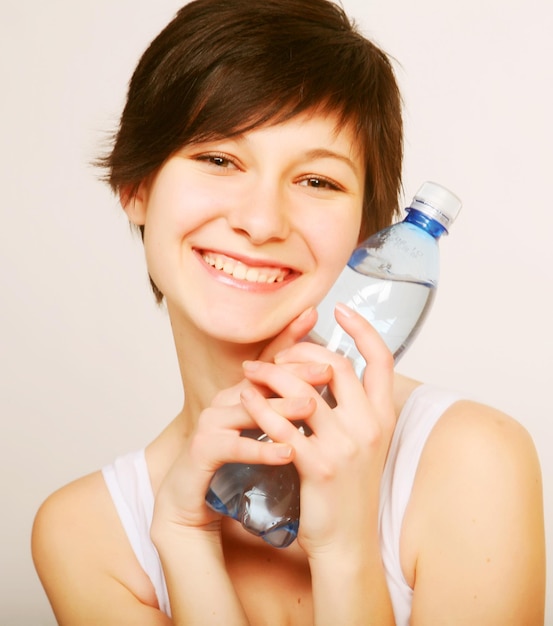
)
(244, 336)
(232, 324)
(245, 332)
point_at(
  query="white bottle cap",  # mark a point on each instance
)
(438, 203)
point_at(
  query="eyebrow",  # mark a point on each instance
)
(325, 153)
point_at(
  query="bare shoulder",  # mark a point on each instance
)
(479, 445)
(493, 440)
(475, 522)
(85, 562)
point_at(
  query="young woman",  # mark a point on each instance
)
(260, 141)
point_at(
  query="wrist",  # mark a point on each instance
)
(342, 559)
(166, 534)
(198, 583)
(350, 587)
(351, 540)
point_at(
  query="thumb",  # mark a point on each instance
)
(296, 330)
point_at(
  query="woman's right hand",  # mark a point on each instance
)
(185, 531)
(216, 440)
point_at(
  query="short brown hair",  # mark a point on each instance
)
(223, 67)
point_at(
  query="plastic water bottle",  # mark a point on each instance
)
(391, 280)
(264, 498)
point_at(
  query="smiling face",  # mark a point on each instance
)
(242, 234)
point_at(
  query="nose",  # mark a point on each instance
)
(261, 215)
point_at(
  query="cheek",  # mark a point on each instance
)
(163, 232)
(176, 210)
(336, 239)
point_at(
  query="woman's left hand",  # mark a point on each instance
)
(341, 463)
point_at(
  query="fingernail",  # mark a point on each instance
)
(247, 394)
(318, 368)
(344, 309)
(301, 403)
(251, 366)
(305, 313)
(280, 356)
(283, 450)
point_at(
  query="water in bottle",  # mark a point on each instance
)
(264, 498)
(377, 297)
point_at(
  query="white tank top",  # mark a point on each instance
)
(129, 484)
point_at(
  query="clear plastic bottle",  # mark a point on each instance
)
(265, 499)
(390, 279)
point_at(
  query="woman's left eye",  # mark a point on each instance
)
(316, 182)
(217, 160)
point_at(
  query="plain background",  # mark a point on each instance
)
(87, 365)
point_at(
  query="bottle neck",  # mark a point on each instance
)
(431, 226)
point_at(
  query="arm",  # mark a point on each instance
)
(198, 584)
(349, 587)
(185, 531)
(476, 517)
(87, 566)
(85, 563)
(340, 467)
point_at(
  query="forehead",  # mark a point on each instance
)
(315, 127)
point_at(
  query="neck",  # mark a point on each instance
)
(207, 366)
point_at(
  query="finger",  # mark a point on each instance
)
(206, 454)
(231, 418)
(305, 352)
(377, 377)
(293, 408)
(339, 372)
(379, 371)
(281, 379)
(245, 450)
(286, 384)
(314, 373)
(231, 395)
(294, 332)
(236, 420)
(270, 421)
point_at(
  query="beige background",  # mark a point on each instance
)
(86, 362)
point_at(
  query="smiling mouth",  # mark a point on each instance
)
(241, 271)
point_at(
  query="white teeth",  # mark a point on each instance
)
(252, 275)
(243, 272)
(240, 271)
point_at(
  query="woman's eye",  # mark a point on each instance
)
(217, 160)
(316, 182)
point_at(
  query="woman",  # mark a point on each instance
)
(260, 141)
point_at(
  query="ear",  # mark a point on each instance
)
(133, 200)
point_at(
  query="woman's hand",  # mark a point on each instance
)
(341, 463)
(216, 440)
(185, 531)
(340, 467)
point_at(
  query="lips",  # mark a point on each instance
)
(242, 271)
